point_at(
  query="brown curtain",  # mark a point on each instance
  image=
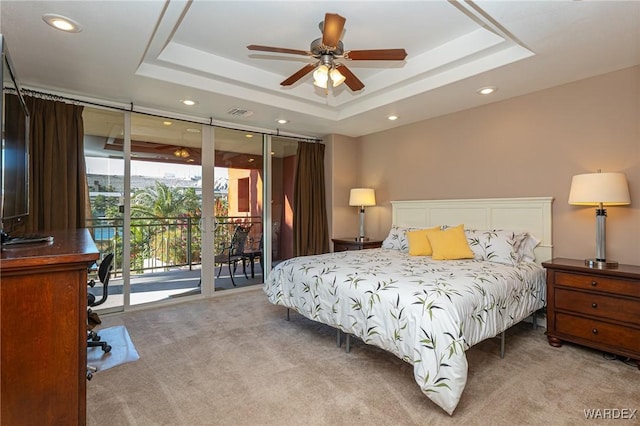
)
(58, 176)
(310, 226)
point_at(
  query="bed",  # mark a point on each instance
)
(425, 311)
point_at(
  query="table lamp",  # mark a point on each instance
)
(363, 197)
(600, 190)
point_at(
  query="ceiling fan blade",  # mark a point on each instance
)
(332, 31)
(350, 78)
(298, 74)
(278, 50)
(376, 55)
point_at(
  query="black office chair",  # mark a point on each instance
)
(104, 272)
(234, 252)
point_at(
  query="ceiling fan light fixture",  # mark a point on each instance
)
(328, 48)
(336, 77)
(321, 76)
(320, 84)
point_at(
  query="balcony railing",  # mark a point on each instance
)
(161, 244)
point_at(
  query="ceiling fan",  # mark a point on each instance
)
(329, 48)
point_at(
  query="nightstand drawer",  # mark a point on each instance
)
(598, 305)
(599, 332)
(597, 283)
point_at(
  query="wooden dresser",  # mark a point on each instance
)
(344, 244)
(43, 309)
(599, 308)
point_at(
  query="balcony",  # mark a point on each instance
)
(166, 256)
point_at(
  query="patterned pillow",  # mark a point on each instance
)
(497, 245)
(397, 239)
(526, 248)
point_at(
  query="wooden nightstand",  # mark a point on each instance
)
(599, 308)
(344, 244)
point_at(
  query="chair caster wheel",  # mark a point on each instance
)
(89, 376)
(106, 348)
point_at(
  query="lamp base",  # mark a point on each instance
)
(601, 264)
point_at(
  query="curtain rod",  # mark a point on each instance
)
(66, 99)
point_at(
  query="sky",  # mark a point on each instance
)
(109, 166)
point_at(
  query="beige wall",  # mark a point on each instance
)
(526, 146)
(342, 163)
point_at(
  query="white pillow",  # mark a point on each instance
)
(498, 245)
(397, 239)
(526, 248)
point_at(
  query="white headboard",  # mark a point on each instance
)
(519, 214)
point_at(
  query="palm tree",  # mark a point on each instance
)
(163, 201)
(175, 209)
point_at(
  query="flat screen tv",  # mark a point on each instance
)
(14, 155)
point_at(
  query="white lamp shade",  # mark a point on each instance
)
(336, 77)
(362, 197)
(591, 189)
(321, 76)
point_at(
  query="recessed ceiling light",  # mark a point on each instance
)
(62, 23)
(193, 130)
(282, 121)
(392, 117)
(248, 135)
(188, 102)
(487, 90)
(167, 123)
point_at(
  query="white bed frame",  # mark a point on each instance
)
(531, 214)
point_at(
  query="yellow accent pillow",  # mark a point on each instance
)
(419, 242)
(450, 244)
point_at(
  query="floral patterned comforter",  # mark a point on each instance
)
(426, 312)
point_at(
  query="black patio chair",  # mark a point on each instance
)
(234, 252)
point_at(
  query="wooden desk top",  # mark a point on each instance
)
(69, 246)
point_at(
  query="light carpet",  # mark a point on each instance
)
(235, 360)
(122, 349)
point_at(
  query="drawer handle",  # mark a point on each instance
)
(594, 283)
(594, 305)
(594, 331)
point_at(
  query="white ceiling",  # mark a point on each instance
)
(152, 54)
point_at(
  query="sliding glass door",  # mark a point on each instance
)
(106, 184)
(159, 229)
(283, 167)
(182, 205)
(239, 208)
(165, 208)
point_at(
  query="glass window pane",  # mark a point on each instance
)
(166, 200)
(105, 180)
